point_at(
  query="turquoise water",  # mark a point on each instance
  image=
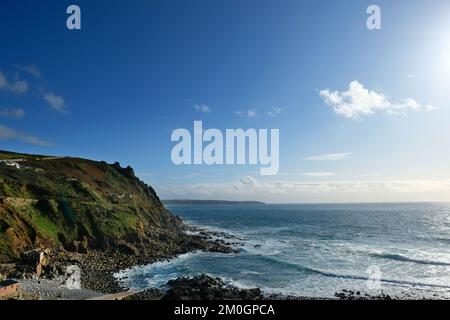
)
(316, 250)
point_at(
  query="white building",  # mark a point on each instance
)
(11, 163)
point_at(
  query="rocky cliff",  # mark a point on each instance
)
(80, 205)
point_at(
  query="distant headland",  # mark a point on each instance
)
(210, 202)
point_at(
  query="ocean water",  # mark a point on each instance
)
(316, 250)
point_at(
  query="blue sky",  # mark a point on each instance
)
(363, 115)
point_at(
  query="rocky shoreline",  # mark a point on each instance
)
(201, 287)
(99, 266)
(98, 269)
(205, 287)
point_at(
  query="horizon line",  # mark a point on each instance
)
(313, 203)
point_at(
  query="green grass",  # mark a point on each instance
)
(46, 228)
(119, 224)
(5, 248)
(97, 197)
(5, 155)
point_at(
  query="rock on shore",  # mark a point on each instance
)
(201, 287)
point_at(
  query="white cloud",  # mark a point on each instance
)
(252, 188)
(246, 114)
(55, 101)
(328, 157)
(31, 69)
(11, 134)
(318, 174)
(202, 108)
(429, 108)
(274, 112)
(251, 113)
(18, 86)
(358, 101)
(12, 113)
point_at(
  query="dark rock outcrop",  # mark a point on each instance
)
(201, 287)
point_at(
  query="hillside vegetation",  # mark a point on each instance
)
(79, 205)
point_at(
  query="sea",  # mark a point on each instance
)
(316, 250)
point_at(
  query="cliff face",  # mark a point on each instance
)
(78, 205)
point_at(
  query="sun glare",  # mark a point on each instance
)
(443, 56)
(442, 49)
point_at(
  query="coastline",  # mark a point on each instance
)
(99, 267)
(99, 280)
(207, 286)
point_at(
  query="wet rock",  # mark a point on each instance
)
(352, 295)
(205, 287)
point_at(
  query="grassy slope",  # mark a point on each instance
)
(76, 203)
(5, 155)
